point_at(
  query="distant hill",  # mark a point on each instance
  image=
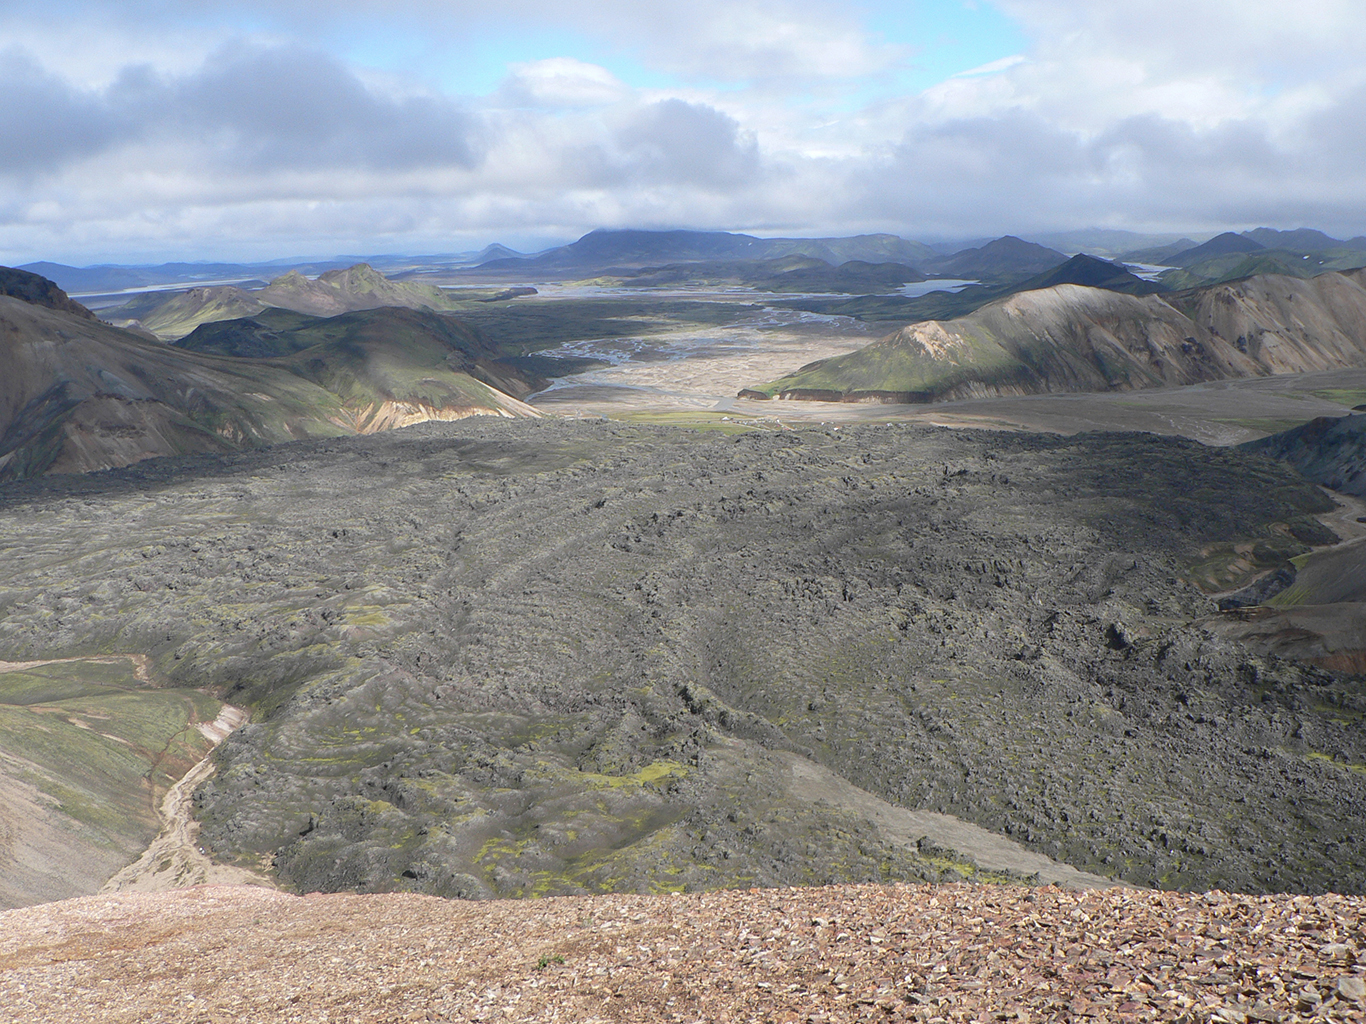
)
(110, 279)
(371, 355)
(946, 305)
(1238, 265)
(173, 315)
(1093, 273)
(1159, 255)
(1219, 245)
(1302, 240)
(1075, 338)
(79, 395)
(604, 250)
(1329, 450)
(1003, 259)
(497, 251)
(786, 274)
(340, 291)
(1108, 242)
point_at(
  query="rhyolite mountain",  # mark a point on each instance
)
(1074, 338)
(77, 394)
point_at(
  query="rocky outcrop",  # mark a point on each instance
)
(1328, 450)
(32, 288)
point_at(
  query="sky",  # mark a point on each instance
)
(144, 130)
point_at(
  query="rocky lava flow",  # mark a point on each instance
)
(550, 657)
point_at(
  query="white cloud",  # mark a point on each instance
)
(992, 67)
(561, 82)
(253, 133)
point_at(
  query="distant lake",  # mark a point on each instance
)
(919, 288)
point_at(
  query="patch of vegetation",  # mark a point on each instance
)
(1263, 425)
(100, 743)
(1350, 397)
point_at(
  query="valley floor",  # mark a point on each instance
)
(839, 953)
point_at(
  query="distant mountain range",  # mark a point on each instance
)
(1075, 338)
(604, 250)
(77, 394)
(111, 279)
(1231, 257)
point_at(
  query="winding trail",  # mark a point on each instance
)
(140, 664)
(173, 860)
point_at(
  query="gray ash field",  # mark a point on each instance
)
(494, 658)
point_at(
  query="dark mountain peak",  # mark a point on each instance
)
(633, 243)
(1094, 272)
(1299, 240)
(1012, 244)
(1007, 257)
(38, 290)
(497, 251)
(1219, 245)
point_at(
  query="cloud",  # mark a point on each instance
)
(560, 83)
(779, 115)
(992, 67)
(44, 121)
(247, 107)
(676, 142)
(292, 107)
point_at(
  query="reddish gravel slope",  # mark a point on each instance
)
(950, 953)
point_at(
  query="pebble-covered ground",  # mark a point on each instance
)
(839, 953)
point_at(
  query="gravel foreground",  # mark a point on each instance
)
(924, 953)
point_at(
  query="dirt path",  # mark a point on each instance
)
(173, 860)
(810, 782)
(1346, 519)
(140, 664)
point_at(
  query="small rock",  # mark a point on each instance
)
(1352, 988)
